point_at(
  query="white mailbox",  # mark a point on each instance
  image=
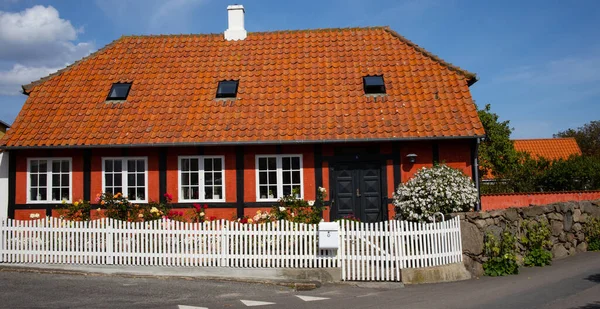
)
(329, 236)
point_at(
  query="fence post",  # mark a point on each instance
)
(3, 238)
(224, 246)
(109, 242)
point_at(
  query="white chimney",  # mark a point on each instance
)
(236, 30)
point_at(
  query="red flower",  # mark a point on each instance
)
(244, 220)
(213, 218)
(198, 207)
(181, 213)
(205, 206)
(169, 197)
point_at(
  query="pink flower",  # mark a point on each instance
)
(169, 197)
(205, 206)
(198, 207)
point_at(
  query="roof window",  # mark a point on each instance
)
(119, 91)
(374, 84)
(227, 89)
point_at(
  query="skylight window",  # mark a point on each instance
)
(119, 91)
(374, 84)
(227, 89)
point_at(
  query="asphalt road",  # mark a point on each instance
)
(570, 283)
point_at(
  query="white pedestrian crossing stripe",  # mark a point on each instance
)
(254, 303)
(190, 307)
(311, 298)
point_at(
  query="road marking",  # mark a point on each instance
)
(311, 298)
(253, 303)
(190, 307)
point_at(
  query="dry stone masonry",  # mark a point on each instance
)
(566, 221)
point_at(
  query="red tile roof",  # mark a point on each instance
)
(294, 86)
(549, 148)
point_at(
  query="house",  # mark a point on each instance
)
(237, 120)
(3, 127)
(3, 173)
(548, 148)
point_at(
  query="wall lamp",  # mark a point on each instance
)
(412, 158)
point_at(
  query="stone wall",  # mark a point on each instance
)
(566, 221)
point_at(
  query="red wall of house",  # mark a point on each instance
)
(454, 153)
(503, 201)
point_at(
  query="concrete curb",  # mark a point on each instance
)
(299, 279)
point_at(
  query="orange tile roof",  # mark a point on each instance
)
(549, 148)
(294, 86)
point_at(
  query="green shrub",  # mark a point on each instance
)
(536, 239)
(592, 234)
(501, 257)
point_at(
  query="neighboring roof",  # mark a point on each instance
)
(549, 148)
(4, 124)
(294, 86)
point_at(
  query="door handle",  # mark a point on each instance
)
(357, 192)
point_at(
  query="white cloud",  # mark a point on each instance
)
(11, 81)
(34, 43)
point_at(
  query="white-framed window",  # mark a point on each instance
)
(128, 176)
(49, 180)
(202, 178)
(277, 176)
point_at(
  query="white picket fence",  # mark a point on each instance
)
(368, 251)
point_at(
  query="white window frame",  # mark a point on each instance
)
(124, 181)
(49, 179)
(278, 158)
(201, 192)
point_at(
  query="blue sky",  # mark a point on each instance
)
(538, 61)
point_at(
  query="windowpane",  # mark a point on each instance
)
(43, 180)
(208, 179)
(33, 179)
(195, 193)
(373, 84)
(194, 177)
(194, 165)
(185, 179)
(286, 163)
(296, 163)
(218, 178)
(141, 166)
(272, 177)
(185, 193)
(141, 194)
(64, 166)
(273, 190)
(217, 164)
(108, 166)
(262, 178)
(118, 181)
(56, 180)
(262, 164)
(119, 91)
(287, 177)
(263, 191)
(64, 180)
(34, 166)
(43, 168)
(56, 166)
(208, 165)
(141, 180)
(296, 177)
(64, 194)
(272, 164)
(185, 165)
(43, 194)
(227, 89)
(118, 166)
(131, 166)
(131, 193)
(131, 179)
(287, 190)
(33, 194)
(218, 192)
(208, 193)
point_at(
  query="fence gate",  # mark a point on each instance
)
(378, 251)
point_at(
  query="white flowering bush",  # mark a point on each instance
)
(437, 189)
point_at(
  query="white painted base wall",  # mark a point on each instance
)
(3, 184)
